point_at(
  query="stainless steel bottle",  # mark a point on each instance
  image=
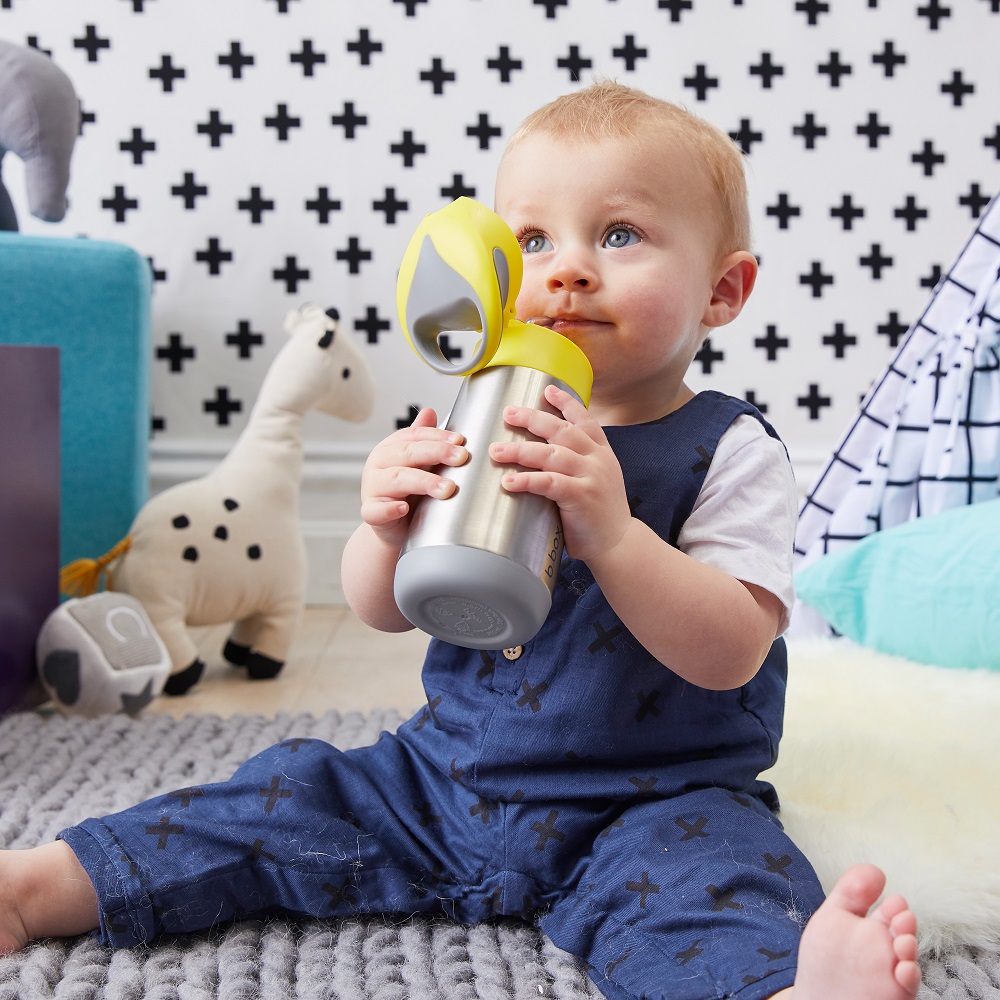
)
(478, 568)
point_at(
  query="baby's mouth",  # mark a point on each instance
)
(569, 326)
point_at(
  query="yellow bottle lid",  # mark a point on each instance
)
(538, 347)
(462, 271)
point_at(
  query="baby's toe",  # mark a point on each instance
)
(908, 977)
(904, 947)
(890, 908)
(904, 923)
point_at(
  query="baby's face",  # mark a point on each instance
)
(619, 251)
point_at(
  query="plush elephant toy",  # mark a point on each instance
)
(39, 121)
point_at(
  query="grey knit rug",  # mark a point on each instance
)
(56, 771)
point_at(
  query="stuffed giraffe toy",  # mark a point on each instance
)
(228, 547)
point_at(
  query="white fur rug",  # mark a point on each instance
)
(897, 763)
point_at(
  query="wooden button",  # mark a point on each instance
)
(513, 652)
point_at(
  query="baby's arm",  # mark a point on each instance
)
(397, 470)
(703, 623)
(706, 625)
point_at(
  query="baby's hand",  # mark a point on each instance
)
(399, 467)
(574, 466)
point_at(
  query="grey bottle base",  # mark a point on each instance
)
(470, 597)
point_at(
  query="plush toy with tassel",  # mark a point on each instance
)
(228, 547)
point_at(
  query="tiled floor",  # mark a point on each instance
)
(337, 662)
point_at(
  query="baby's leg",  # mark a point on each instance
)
(699, 895)
(847, 952)
(301, 828)
(43, 892)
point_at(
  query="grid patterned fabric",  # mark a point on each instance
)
(927, 435)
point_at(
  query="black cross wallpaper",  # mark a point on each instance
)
(263, 153)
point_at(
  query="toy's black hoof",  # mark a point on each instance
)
(263, 668)
(182, 682)
(236, 653)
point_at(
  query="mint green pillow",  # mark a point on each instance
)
(927, 590)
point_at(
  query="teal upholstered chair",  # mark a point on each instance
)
(91, 299)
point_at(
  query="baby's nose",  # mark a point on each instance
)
(570, 274)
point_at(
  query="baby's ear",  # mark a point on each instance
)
(737, 273)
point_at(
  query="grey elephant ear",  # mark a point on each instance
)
(39, 121)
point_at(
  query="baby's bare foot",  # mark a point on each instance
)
(44, 892)
(12, 934)
(848, 952)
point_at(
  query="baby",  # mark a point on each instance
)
(603, 778)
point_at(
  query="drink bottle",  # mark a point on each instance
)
(478, 568)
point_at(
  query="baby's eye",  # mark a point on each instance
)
(620, 236)
(534, 243)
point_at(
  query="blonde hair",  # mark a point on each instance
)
(608, 110)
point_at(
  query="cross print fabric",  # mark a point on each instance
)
(284, 150)
(283, 834)
(189, 859)
(927, 435)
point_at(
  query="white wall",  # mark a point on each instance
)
(731, 41)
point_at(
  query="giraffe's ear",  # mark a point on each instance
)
(292, 319)
(333, 318)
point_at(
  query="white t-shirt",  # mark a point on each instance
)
(745, 516)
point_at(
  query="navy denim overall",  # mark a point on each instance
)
(574, 781)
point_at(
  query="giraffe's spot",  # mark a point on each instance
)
(181, 521)
(191, 554)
